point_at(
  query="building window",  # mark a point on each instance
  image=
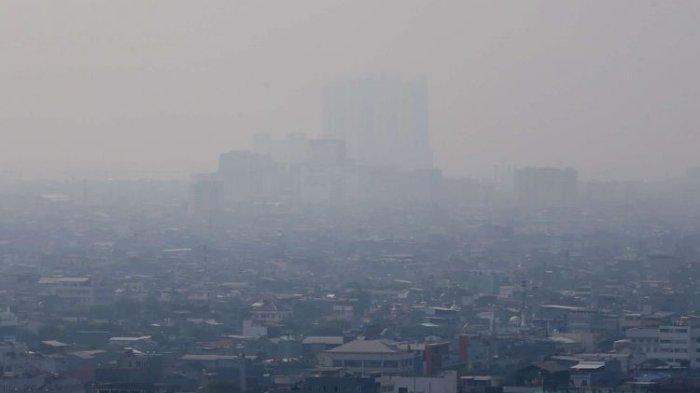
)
(353, 363)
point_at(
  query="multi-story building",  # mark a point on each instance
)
(677, 344)
(383, 120)
(645, 340)
(443, 383)
(269, 312)
(8, 325)
(340, 384)
(371, 356)
(75, 290)
(248, 176)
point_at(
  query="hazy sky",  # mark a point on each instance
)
(610, 87)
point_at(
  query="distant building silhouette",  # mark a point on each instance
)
(546, 187)
(383, 120)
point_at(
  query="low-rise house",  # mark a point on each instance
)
(595, 374)
(479, 384)
(143, 343)
(313, 345)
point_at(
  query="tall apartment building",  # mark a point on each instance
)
(383, 120)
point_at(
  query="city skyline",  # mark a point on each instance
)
(547, 84)
(349, 196)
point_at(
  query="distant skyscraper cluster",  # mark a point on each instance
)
(298, 168)
(374, 147)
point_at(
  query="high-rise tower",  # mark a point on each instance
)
(383, 120)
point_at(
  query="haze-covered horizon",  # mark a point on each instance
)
(164, 87)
